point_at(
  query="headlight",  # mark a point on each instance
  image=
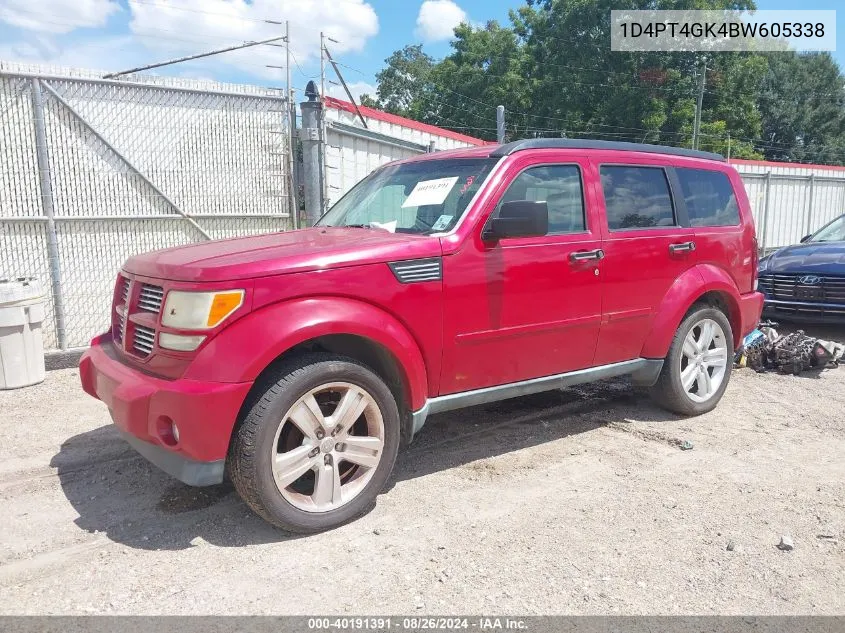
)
(763, 264)
(200, 310)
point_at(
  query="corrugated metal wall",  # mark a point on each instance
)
(352, 152)
(791, 201)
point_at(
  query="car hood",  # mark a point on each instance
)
(275, 253)
(813, 257)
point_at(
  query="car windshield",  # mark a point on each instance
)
(421, 197)
(833, 232)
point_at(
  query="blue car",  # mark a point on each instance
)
(806, 282)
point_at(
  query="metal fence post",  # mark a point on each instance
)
(312, 162)
(765, 219)
(46, 184)
(810, 206)
(500, 124)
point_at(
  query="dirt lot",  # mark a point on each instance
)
(576, 502)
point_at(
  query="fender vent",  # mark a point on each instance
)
(414, 270)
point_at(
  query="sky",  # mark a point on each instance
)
(113, 35)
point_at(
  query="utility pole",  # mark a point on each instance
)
(696, 126)
(312, 160)
(287, 57)
(322, 65)
(292, 192)
(500, 124)
(324, 169)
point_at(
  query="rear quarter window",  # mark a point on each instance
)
(636, 197)
(709, 197)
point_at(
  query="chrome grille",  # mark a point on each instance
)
(789, 287)
(144, 340)
(415, 270)
(150, 298)
(122, 308)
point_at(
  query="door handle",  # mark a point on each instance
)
(583, 256)
(683, 247)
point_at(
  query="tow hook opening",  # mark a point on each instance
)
(167, 431)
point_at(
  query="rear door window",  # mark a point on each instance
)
(709, 197)
(636, 197)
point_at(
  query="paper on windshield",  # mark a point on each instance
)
(430, 192)
(387, 226)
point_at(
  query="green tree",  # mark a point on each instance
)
(487, 69)
(402, 84)
(802, 105)
(553, 70)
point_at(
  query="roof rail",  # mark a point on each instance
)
(574, 143)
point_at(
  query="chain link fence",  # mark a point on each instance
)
(95, 171)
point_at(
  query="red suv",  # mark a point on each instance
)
(297, 363)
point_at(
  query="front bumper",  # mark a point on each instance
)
(142, 405)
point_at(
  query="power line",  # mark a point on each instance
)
(298, 67)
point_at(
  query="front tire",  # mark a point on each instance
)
(697, 369)
(317, 446)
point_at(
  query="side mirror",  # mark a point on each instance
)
(518, 218)
(806, 238)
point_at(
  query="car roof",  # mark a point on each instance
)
(499, 151)
(618, 146)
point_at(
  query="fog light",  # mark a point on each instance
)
(180, 342)
(175, 431)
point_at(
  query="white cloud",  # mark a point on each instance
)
(103, 53)
(61, 16)
(437, 20)
(162, 29)
(357, 88)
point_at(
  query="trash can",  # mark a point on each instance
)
(21, 347)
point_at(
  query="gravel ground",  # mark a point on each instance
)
(579, 501)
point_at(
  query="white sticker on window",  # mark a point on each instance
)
(387, 226)
(441, 223)
(430, 192)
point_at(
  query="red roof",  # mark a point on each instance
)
(372, 113)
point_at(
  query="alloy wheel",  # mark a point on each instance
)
(704, 360)
(327, 447)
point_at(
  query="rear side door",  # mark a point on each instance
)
(647, 243)
(721, 239)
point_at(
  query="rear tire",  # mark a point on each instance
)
(697, 369)
(317, 445)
